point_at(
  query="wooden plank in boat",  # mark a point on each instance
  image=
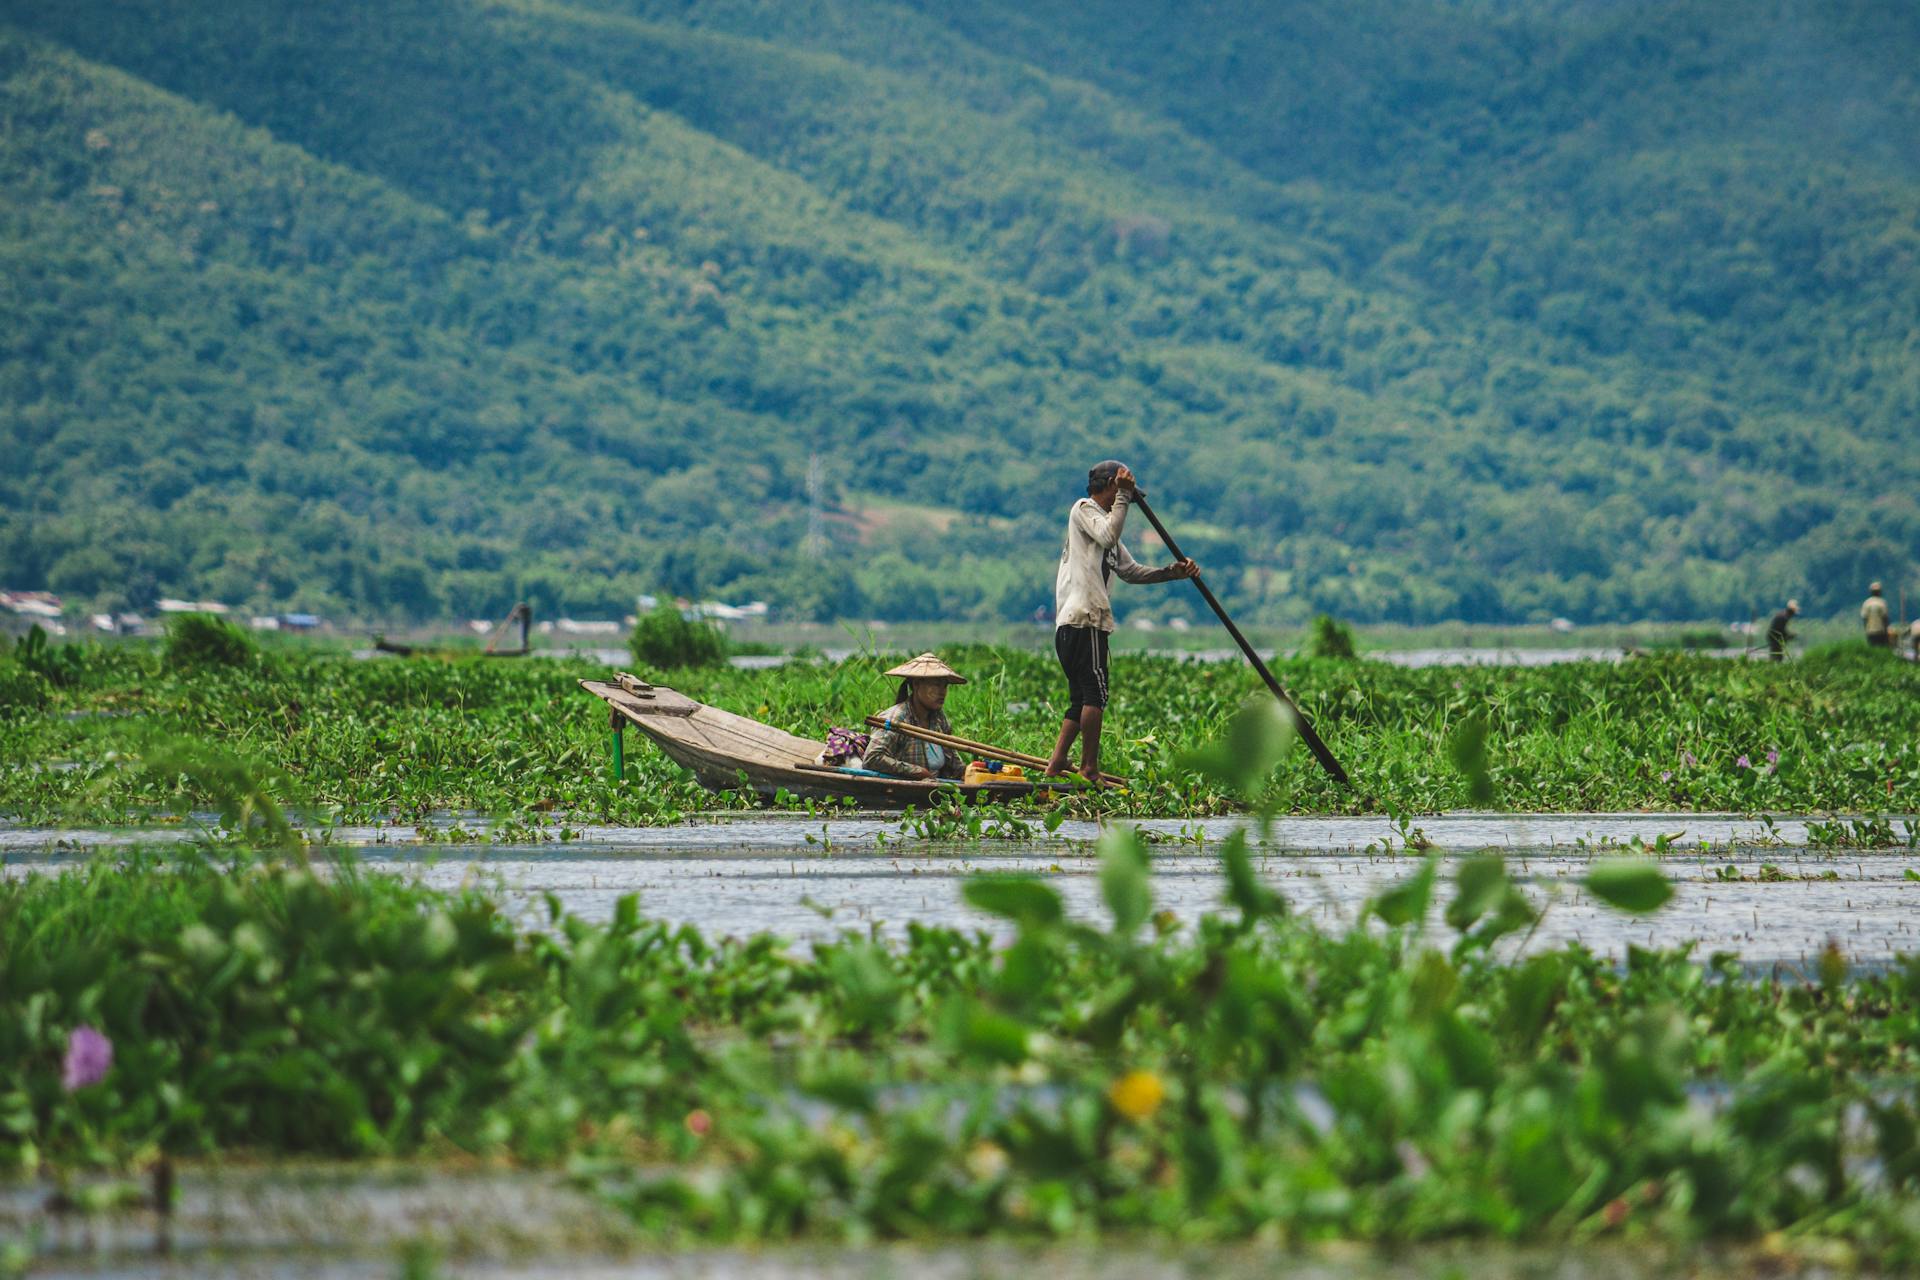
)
(657, 702)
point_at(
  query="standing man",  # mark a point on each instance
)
(1874, 614)
(1777, 633)
(1913, 638)
(1083, 613)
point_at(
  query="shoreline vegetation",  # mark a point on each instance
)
(125, 733)
(1199, 635)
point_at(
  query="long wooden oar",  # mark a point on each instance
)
(1300, 722)
(979, 748)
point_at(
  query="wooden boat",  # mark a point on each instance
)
(520, 613)
(383, 645)
(722, 748)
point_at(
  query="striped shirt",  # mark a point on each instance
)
(896, 753)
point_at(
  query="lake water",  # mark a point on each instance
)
(350, 1223)
(748, 873)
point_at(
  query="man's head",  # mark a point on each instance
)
(1793, 606)
(1873, 589)
(1102, 476)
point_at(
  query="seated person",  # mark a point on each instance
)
(923, 692)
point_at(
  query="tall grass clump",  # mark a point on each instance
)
(665, 640)
(1331, 638)
(59, 665)
(199, 641)
(22, 690)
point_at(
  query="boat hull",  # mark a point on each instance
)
(726, 752)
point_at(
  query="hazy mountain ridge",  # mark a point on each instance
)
(532, 298)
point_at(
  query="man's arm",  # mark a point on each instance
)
(1103, 526)
(1131, 570)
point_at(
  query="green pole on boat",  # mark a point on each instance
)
(619, 748)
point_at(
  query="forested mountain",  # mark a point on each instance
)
(1408, 310)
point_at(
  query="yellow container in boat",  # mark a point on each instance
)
(980, 772)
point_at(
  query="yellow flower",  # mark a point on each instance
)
(1137, 1094)
(987, 1161)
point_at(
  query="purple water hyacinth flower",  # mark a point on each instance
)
(1666, 775)
(1773, 759)
(89, 1055)
(1689, 759)
(1743, 763)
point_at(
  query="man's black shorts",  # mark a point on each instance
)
(1083, 656)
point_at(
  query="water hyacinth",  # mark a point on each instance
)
(378, 740)
(89, 1056)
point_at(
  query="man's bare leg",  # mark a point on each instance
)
(1090, 718)
(1057, 765)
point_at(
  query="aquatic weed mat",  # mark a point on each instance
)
(1253, 1077)
(395, 740)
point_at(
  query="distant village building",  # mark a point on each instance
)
(32, 604)
(727, 612)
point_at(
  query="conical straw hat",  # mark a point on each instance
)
(928, 667)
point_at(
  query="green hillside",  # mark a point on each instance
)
(1423, 310)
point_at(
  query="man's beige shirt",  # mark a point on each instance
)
(1874, 614)
(1092, 548)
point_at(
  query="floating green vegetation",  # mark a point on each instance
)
(1253, 1077)
(392, 739)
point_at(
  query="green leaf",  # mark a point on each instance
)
(968, 1029)
(1406, 902)
(869, 989)
(1631, 884)
(1258, 738)
(1124, 883)
(1021, 899)
(1481, 882)
(1467, 749)
(1244, 889)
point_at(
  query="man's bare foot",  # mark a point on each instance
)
(1056, 769)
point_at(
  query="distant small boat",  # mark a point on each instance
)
(384, 645)
(521, 613)
(720, 747)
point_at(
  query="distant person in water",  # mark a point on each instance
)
(1090, 556)
(1777, 633)
(920, 702)
(1873, 614)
